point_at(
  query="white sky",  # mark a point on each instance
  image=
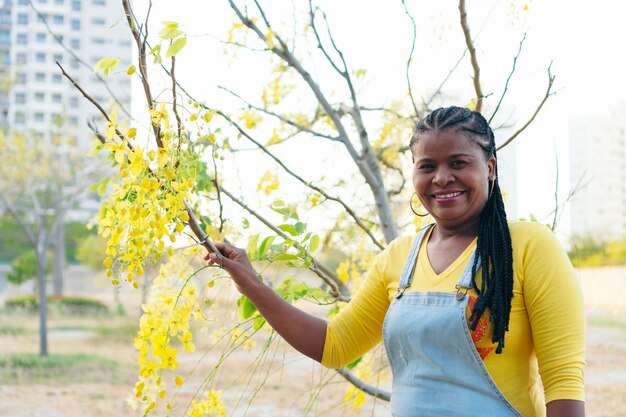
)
(583, 40)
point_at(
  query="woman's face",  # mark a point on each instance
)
(451, 176)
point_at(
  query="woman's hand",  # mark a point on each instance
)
(303, 331)
(236, 262)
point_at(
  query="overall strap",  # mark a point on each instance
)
(462, 286)
(409, 266)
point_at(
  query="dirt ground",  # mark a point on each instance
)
(290, 383)
(288, 390)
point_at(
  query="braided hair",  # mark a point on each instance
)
(494, 238)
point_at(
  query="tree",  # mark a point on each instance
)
(40, 184)
(185, 172)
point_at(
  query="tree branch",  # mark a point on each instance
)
(370, 389)
(543, 101)
(474, 59)
(143, 67)
(337, 288)
(506, 84)
(408, 62)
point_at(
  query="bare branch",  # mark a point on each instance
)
(367, 388)
(94, 102)
(506, 84)
(408, 62)
(143, 67)
(472, 50)
(174, 104)
(556, 191)
(545, 98)
(351, 212)
(278, 116)
(18, 218)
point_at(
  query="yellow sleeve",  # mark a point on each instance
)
(554, 302)
(358, 327)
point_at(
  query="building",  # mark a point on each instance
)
(34, 35)
(598, 165)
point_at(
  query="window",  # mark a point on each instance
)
(75, 43)
(57, 58)
(20, 118)
(38, 117)
(40, 77)
(21, 39)
(22, 19)
(5, 37)
(59, 2)
(99, 2)
(98, 41)
(75, 24)
(23, 2)
(39, 96)
(6, 58)
(20, 98)
(20, 58)
(57, 19)
(40, 57)
(72, 121)
(73, 101)
(57, 78)
(40, 37)
(98, 21)
(74, 64)
(42, 1)
(76, 5)
(56, 98)
(21, 78)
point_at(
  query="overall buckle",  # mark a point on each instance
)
(461, 292)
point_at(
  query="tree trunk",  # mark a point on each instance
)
(59, 256)
(43, 299)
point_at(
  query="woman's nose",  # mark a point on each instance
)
(442, 177)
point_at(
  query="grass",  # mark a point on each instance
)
(33, 368)
(6, 330)
(610, 322)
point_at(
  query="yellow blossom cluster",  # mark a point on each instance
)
(166, 323)
(147, 207)
(212, 406)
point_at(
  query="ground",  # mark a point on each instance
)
(100, 384)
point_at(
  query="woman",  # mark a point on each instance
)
(474, 312)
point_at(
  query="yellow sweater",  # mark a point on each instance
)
(546, 334)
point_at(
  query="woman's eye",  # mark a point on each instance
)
(425, 167)
(458, 164)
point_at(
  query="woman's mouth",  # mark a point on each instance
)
(447, 196)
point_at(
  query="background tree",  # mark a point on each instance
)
(186, 170)
(41, 183)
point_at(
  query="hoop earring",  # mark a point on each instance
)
(492, 185)
(413, 210)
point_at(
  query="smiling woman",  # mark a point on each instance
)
(473, 311)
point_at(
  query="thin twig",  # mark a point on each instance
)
(370, 389)
(410, 59)
(506, 84)
(545, 98)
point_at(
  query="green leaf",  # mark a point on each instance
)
(265, 245)
(175, 47)
(106, 64)
(314, 243)
(300, 227)
(251, 248)
(285, 257)
(203, 181)
(355, 363)
(289, 228)
(246, 308)
(258, 322)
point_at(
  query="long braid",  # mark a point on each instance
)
(494, 238)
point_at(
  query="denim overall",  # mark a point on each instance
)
(436, 369)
